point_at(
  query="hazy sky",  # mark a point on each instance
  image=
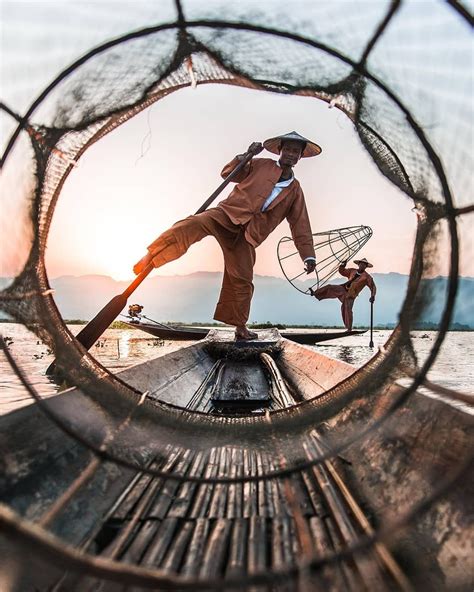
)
(160, 166)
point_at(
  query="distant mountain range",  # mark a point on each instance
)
(192, 298)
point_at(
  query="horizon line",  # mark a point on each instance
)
(175, 275)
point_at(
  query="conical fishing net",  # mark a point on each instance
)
(402, 73)
(331, 248)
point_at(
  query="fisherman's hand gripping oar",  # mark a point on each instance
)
(254, 149)
(371, 300)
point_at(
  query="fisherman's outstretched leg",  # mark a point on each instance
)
(329, 291)
(175, 241)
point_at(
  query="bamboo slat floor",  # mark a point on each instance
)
(226, 530)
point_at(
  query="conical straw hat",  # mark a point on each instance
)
(274, 144)
(364, 260)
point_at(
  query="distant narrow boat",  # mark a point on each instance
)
(197, 333)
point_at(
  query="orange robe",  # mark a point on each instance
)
(244, 204)
(347, 293)
(240, 226)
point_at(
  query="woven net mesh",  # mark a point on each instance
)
(399, 71)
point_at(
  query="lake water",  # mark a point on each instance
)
(119, 349)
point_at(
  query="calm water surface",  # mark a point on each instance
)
(119, 349)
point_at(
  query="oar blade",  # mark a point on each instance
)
(94, 328)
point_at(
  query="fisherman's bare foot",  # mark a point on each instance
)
(243, 334)
(140, 266)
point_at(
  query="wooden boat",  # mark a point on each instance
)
(219, 410)
(197, 333)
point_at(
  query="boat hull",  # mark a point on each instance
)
(184, 430)
(196, 334)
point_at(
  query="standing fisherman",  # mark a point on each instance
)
(265, 194)
(348, 292)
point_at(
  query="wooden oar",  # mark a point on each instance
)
(94, 328)
(371, 342)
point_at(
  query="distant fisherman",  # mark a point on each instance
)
(348, 292)
(266, 193)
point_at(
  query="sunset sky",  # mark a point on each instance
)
(160, 166)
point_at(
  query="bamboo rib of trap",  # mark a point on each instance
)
(330, 247)
(222, 530)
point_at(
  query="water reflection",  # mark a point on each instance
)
(118, 349)
(124, 348)
(356, 355)
(346, 354)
